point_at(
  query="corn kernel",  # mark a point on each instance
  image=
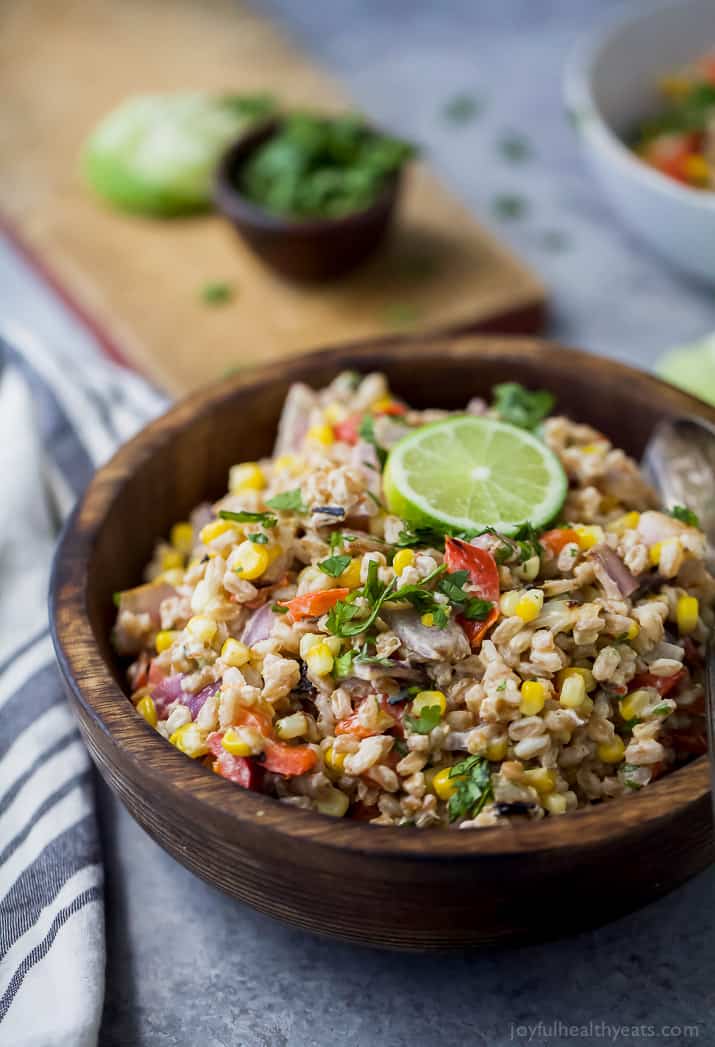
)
(427, 700)
(555, 803)
(214, 530)
(384, 403)
(686, 614)
(496, 749)
(427, 619)
(533, 696)
(146, 708)
(250, 561)
(246, 477)
(189, 739)
(696, 170)
(627, 522)
(332, 801)
(164, 640)
(182, 537)
(633, 631)
(290, 463)
(310, 640)
(293, 726)
(404, 558)
(509, 601)
(319, 659)
(350, 578)
(654, 553)
(235, 653)
(611, 752)
(634, 704)
(590, 448)
(335, 413)
(443, 785)
(243, 741)
(573, 692)
(587, 537)
(335, 761)
(675, 87)
(541, 779)
(589, 681)
(202, 628)
(321, 434)
(529, 606)
(171, 559)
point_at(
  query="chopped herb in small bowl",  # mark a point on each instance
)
(313, 195)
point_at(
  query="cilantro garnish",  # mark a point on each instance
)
(367, 433)
(474, 788)
(342, 667)
(527, 539)
(289, 501)
(278, 608)
(685, 515)
(335, 565)
(426, 721)
(258, 539)
(245, 517)
(216, 293)
(520, 406)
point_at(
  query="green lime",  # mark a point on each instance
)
(467, 473)
(691, 367)
(156, 154)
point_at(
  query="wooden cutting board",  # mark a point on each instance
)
(63, 65)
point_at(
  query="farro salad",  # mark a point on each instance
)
(430, 619)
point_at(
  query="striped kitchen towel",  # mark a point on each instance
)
(60, 417)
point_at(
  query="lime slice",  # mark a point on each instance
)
(467, 473)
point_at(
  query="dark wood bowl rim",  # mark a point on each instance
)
(232, 203)
(672, 796)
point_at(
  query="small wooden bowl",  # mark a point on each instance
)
(311, 249)
(398, 888)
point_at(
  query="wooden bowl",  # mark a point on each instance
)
(310, 249)
(391, 887)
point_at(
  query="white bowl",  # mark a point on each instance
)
(610, 85)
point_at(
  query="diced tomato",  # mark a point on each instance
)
(348, 431)
(289, 760)
(483, 579)
(555, 540)
(663, 684)
(476, 631)
(242, 770)
(393, 409)
(481, 565)
(313, 605)
(386, 721)
(156, 674)
(139, 672)
(668, 153)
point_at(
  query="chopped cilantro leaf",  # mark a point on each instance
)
(474, 788)
(288, 501)
(521, 407)
(278, 608)
(366, 432)
(685, 515)
(245, 517)
(216, 293)
(335, 565)
(258, 539)
(426, 721)
(343, 665)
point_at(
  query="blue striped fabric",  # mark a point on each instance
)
(59, 419)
